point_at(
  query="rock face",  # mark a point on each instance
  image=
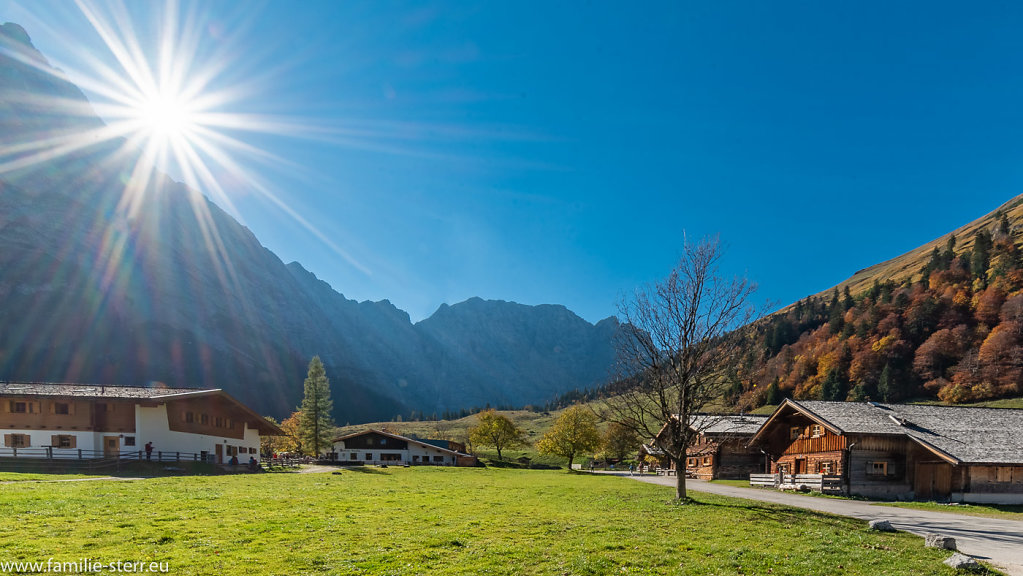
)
(100, 282)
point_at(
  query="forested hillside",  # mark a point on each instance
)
(951, 331)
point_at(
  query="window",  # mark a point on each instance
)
(706, 460)
(61, 408)
(369, 456)
(1003, 474)
(354, 457)
(16, 440)
(383, 441)
(691, 462)
(19, 407)
(369, 441)
(827, 467)
(816, 431)
(877, 468)
(189, 417)
(129, 440)
(438, 458)
(64, 441)
(794, 432)
(204, 419)
(218, 421)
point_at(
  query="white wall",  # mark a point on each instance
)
(345, 454)
(152, 425)
(84, 440)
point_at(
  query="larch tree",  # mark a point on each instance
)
(573, 433)
(497, 431)
(677, 337)
(316, 424)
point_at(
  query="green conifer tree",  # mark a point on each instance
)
(885, 385)
(1003, 224)
(774, 395)
(981, 258)
(316, 425)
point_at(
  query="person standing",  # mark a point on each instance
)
(149, 450)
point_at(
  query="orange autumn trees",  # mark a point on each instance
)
(953, 331)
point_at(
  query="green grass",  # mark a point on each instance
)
(42, 477)
(1008, 512)
(438, 521)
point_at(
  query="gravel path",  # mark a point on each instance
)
(994, 540)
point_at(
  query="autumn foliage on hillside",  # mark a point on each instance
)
(953, 332)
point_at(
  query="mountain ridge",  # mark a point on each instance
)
(112, 280)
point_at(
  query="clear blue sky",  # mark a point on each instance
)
(560, 152)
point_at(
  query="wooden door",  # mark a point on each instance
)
(111, 446)
(933, 480)
(800, 467)
(220, 454)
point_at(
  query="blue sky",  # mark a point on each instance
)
(561, 152)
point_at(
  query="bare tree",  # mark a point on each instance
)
(676, 340)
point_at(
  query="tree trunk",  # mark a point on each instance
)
(499, 453)
(680, 480)
(570, 456)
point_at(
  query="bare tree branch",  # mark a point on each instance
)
(674, 341)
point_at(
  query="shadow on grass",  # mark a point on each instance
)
(365, 470)
(122, 469)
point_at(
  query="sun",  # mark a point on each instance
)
(166, 116)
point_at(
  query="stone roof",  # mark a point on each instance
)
(969, 435)
(93, 390)
(729, 424)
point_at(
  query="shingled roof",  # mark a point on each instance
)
(93, 390)
(728, 424)
(964, 435)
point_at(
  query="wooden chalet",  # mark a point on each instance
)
(898, 451)
(721, 448)
(722, 451)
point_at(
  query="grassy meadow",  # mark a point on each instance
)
(436, 521)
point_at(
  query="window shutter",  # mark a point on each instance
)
(39, 407)
(74, 441)
(7, 440)
(55, 441)
(52, 405)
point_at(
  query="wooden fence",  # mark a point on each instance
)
(51, 453)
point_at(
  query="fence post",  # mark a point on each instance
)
(178, 457)
(79, 453)
(49, 452)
